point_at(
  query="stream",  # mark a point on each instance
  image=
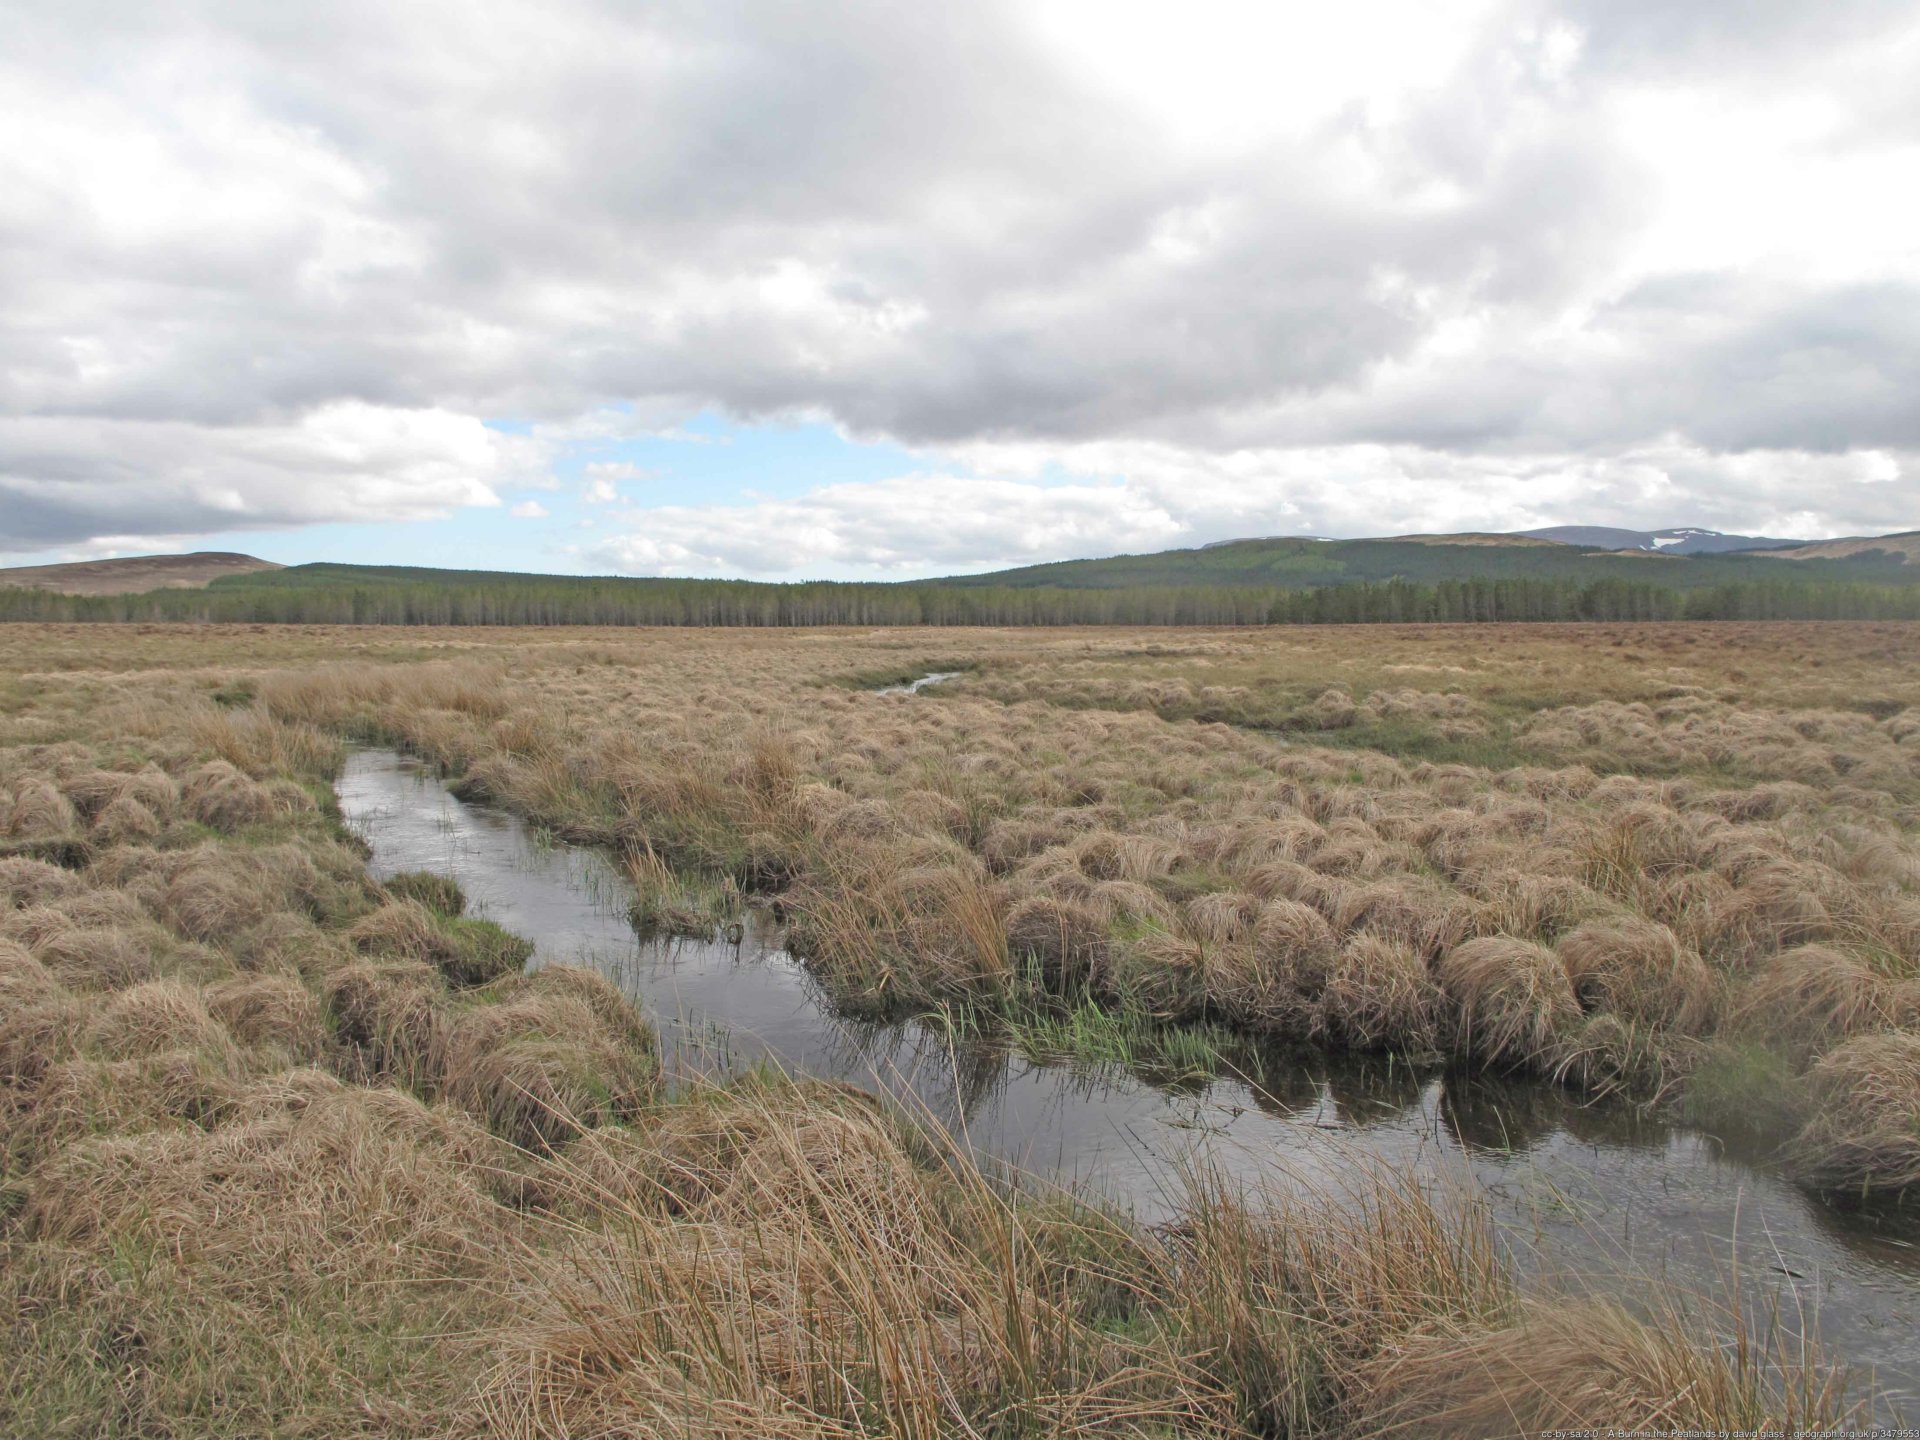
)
(1589, 1194)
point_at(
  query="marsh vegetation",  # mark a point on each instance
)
(286, 1149)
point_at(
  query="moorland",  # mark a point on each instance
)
(288, 1151)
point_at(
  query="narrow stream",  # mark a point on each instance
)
(914, 687)
(1588, 1193)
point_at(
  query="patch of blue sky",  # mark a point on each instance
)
(547, 527)
(712, 460)
(603, 475)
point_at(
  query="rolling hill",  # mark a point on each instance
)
(135, 574)
(1898, 549)
(1679, 540)
(1431, 559)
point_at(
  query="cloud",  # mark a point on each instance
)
(599, 480)
(273, 265)
(529, 510)
(1006, 513)
(69, 479)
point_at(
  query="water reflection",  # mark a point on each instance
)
(1580, 1189)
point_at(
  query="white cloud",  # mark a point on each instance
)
(346, 461)
(272, 265)
(600, 479)
(529, 510)
(1005, 514)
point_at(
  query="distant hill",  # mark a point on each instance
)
(1250, 582)
(1900, 548)
(1299, 563)
(1681, 540)
(136, 574)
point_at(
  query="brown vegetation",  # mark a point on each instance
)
(285, 1152)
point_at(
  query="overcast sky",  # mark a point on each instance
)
(783, 289)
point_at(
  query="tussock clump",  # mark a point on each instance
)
(387, 1017)
(1538, 906)
(1067, 939)
(618, 1016)
(80, 1097)
(82, 909)
(1424, 918)
(539, 1069)
(1160, 973)
(287, 942)
(952, 925)
(40, 812)
(1332, 710)
(1573, 1365)
(272, 1012)
(91, 791)
(1865, 1130)
(154, 789)
(467, 952)
(23, 979)
(1769, 912)
(353, 1184)
(1606, 1053)
(157, 1016)
(124, 820)
(861, 821)
(1108, 856)
(219, 795)
(1638, 969)
(827, 1166)
(1130, 905)
(808, 1282)
(1380, 996)
(1296, 941)
(1222, 917)
(1812, 996)
(439, 893)
(401, 929)
(210, 897)
(1511, 997)
(682, 1158)
(1290, 880)
(1254, 988)
(25, 881)
(40, 1023)
(108, 957)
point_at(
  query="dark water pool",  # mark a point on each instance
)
(1588, 1194)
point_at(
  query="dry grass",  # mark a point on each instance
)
(279, 1162)
(1865, 1130)
(1558, 1365)
(1513, 999)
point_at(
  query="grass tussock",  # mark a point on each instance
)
(547, 1058)
(1557, 1365)
(1864, 1134)
(467, 952)
(1513, 998)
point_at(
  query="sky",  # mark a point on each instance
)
(870, 290)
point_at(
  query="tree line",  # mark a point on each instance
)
(343, 595)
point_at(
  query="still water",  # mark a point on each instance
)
(1590, 1195)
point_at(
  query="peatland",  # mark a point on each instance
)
(287, 1152)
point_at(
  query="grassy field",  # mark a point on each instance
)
(289, 1153)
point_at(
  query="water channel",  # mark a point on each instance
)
(1591, 1195)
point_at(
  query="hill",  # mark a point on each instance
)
(1297, 563)
(1679, 540)
(135, 574)
(1250, 582)
(1896, 549)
